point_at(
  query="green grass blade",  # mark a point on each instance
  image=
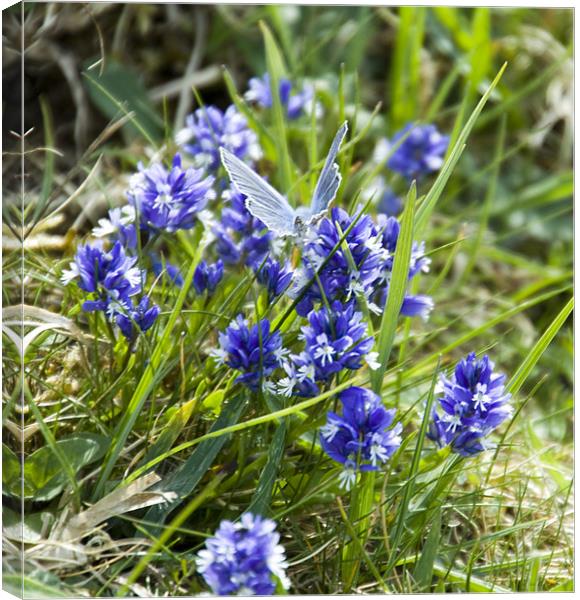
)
(485, 210)
(184, 480)
(407, 494)
(277, 71)
(424, 211)
(260, 503)
(397, 287)
(423, 572)
(145, 385)
(520, 376)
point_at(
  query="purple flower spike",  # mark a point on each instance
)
(110, 277)
(473, 403)
(141, 317)
(362, 438)
(169, 199)
(207, 277)
(421, 152)
(260, 92)
(335, 340)
(274, 276)
(254, 351)
(208, 128)
(244, 558)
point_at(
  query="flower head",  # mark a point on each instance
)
(473, 403)
(362, 438)
(420, 153)
(252, 350)
(207, 277)
(275, 276)
(169, 199)
(110, 277)
(141, 318)
(244, 558)
(336, 339)
(340, 278)
(260, 92)
(119, 226)
(208, 128)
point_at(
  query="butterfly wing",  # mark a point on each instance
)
(262, 200)
(330, 178)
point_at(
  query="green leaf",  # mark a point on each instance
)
(38, 584)
(262, 497)
(31, 529)
(423, 573)
(405, 69)
(118, 90)
(184, 480)
(397, 287)
(520, 376)
(44, 478)
(171, 431)
(413, 471)
(11, 470)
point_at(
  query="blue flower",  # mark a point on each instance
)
(413, 305)
(208, 128)
(120, 225)
(244, 558)
(339, 278)
(421, 152)
(207, 277)
(170, 271)
(260, 92)
(473, 403)
(336, 339)
(275, 276)
(110, 277)
(140, 317)
(254, 351)
(390, 204)
(361, 439)
(169, 200)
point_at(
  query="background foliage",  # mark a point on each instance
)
(106, 84)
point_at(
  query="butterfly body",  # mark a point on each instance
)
(268, 205)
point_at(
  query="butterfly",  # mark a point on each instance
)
(268, 205)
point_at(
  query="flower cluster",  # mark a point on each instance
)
(260, 92)
(244, 558)
(169, 199)
(253, 350)
(420, 153)
(207, 277)
(208, 129)
(364, 269)
(335, 339)
(138, 318)
(362, 438)
(473, 403)
(113, 281)
(110, 277)
(339, 278)
(275, 276)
